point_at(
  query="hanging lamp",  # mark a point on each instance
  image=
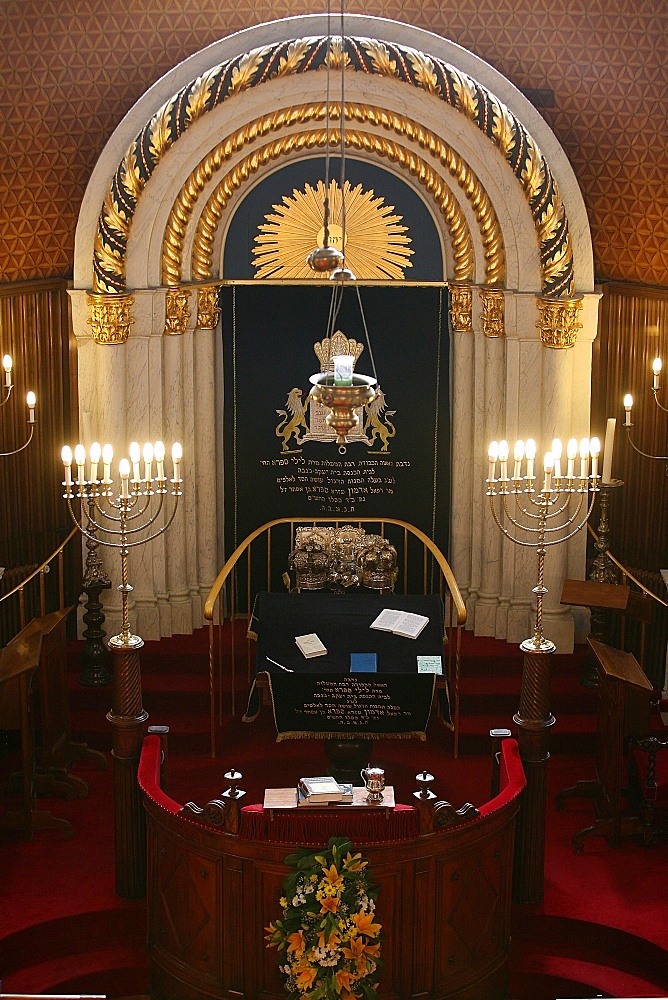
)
(337, 387)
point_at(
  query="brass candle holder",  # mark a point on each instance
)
(538, 518)
(123, 520)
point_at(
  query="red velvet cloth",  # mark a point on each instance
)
(148, 774)
(316, 826)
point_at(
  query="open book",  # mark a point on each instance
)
(405, 623)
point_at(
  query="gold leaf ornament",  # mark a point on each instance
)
(425, 74)
(380, 57)
(130, 176)
(503, 129)
(200, 95)
(467, 97)
(294, 57)
(533, 173)
(242, 75)
(160, 130)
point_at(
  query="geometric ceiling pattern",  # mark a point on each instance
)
(597, 73)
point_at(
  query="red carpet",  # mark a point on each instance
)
(602, 928)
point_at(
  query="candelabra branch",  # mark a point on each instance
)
(8, 390)
(6, 454)
(658, 458)
(656, 400)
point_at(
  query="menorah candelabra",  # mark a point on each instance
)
(539, 517)
(123, 520)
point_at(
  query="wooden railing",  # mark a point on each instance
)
(30, 593)
(647, 608)
(260, 563)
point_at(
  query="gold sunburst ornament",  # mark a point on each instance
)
(376, 242)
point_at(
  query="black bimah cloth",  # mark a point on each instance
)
(319, 697)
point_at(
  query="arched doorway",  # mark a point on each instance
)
(513, 234)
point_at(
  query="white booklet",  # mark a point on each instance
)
(310, 645)
(405, 623)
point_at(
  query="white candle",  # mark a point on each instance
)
(159, 453)
(95, 452)
(177, 454)
(530, 452)
(343, 369)
(594, 451)
(571, 451)
(503, 459)
(134, 458)
(7, 365)
(556, 451)
(656, 369)
(148, 461)
(548, 466)
(80, 459)
(492, 454)
(518, 455)
(31, 399)
(608, 445)
(107, 455)
(66, 455)
(124, 472)
(584, 458)
(628, 403)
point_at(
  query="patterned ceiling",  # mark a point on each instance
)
(597, 71)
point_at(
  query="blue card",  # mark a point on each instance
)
(363, 663)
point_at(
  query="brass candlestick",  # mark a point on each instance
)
(122, 521)
(539, 518)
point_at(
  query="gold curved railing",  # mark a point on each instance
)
(40, 572)
(232, 595)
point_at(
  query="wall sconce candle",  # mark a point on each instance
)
(628, 404)
(31, 400)
(7, 365)
(656, 369)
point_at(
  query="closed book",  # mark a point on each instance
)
(346, 798)
(310, 645)
(363, 663)
(321, 789)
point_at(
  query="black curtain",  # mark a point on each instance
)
(269, 334)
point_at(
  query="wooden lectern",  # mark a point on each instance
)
(624, 696)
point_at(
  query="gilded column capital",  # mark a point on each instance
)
(558, 321)
(177, 311)
(493, 303)
(110, 317)
(461, 307)
(208, 310)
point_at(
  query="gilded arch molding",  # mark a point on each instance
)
(401, 63)
(431, 180)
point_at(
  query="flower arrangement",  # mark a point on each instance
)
(328, 941)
